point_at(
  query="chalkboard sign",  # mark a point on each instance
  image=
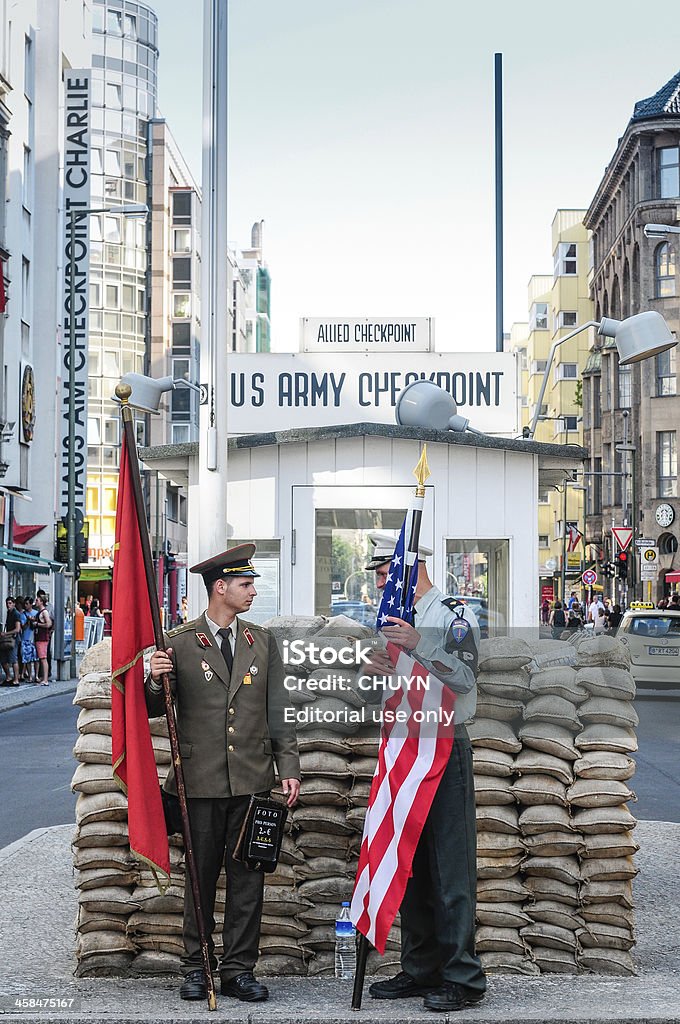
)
(259, 843)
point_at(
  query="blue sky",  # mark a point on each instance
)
(361, 131)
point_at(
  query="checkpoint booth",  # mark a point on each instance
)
(309, 497)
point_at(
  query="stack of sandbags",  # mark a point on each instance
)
(104, 871)
(598, 801)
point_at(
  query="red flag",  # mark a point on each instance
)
(134, 764)
(411, 761)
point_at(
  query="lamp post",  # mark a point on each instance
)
(74, 515)
(638, 337)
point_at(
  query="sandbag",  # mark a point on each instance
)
(605, 936)
(562, 869)
(536, 762)
(549, 738)
(606, 737)
(559, 681)
(501, 915)
(323, 762)
(608, 913)
(323, 868)
(598, 793)
(93, 749)
(503, 654)
(324, 791)
(97, 720)
(497, 819)
(499, 844)
(506, 940)
(508, 963)
(554, 961)
(93, 943)
(602, 650)
(615, 683)
(111, 899)
(604, 764)
(502, 709)
(97, 659)
(617, 892)
(93, 690)
(603, 869)
(553, 709)
(532, 790)
(504, 866)
(607, 961)
(555, 913)
(544, 818)
(591, 820)
(101, 807)
(542, 887)
(609, 711)
(143, 923)
(608, 846)
(94, 778)
(550, 936)
(98, 921)
(511, 686)
(502, 890)
(315, 741)
(102, 833)
(327, 890)
(96, 878)
(492, 762)
(554, 844)
(495, 735)
(490, 789)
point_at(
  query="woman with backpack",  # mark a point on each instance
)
(43, 632)
(558, 620)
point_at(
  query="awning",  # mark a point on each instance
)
(92, 573)
(22, 534)
(15, 560)
(672, 577)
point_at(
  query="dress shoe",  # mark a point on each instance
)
(450, 996)
(193, 986)
(402, 986)
(245, 987)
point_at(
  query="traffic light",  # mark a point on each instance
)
(170, 561)
(622, 564)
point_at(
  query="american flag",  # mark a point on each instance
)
(411, 759)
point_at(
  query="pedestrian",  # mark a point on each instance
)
(663, 603)
(575, 617)
(596, 614)
(43, 632)
(29, 655)
(49, 607)
(674, 603)
(614, 618)
(95, 610)
(545, 611)
(558, 620)
(184, 609)
(227, 680)
(9, 644)
(438, 957)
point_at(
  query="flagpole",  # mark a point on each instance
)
(421, 473)
(123, 392)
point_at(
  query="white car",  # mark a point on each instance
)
(653, 638)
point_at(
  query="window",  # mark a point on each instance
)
(625, 383)
(606, 385)
(180, 433)
(538, 317)
(587, 390)
(181, 240)
(181, 272)
(114, 24)
(181, 339)
(130, 26)
(667, 461)
(570, 423)
(543, 540)
(596, 489)
(181, 305)
(666, 380)
(538, 366)
(543, 497)
(181, 207)
(664, 271)
(27, 183)
(29, 68)
(618, 480)
(172, 504)
(565, 259)
(25, 290)
(567, 318)
(597, 403)
(180, 369)
(566, 371)
(668, 166)
(112, 295)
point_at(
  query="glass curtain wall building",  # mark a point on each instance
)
(125, 57)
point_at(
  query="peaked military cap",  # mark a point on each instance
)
(385, 542)
(234, 562)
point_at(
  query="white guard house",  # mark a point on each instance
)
(308, 498)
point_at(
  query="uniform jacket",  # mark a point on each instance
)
(433, 620)
(231, 730)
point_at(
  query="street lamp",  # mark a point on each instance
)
(659, 230)
(637, 337)
(73, 514)
(147, 392)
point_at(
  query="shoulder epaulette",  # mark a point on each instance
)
(452, 603)
(182, 628)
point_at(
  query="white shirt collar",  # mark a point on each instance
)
(214, 628)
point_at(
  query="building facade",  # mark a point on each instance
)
(632, 414)
(39, 41)
(557, 304)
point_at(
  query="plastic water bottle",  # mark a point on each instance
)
(345, 945)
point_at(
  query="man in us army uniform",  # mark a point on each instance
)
(226, 676)
(438, 956)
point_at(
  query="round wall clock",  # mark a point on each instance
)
(665, 514)
(28, 403)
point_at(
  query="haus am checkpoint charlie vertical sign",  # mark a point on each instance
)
(283, 391)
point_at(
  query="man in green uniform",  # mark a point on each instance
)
(227, 678)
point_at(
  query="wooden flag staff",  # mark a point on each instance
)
(123, 392)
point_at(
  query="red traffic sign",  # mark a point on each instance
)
(623, 535)
(589, 577)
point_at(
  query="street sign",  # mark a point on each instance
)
(649, 563)
(623, 535)
(589, 577)
(644, 542)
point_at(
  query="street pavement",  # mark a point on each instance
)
(38, 911)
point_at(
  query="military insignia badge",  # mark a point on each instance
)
(203, 640)
(207, 671)
(460, 628)
(249, 636)
(247, 679)
(254, 670)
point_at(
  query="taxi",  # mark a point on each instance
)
(652, 636)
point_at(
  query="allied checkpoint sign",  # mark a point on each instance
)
(366, 334)
(284, 391)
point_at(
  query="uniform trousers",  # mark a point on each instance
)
(215, 827)
(438, 909)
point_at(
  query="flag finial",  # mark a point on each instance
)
(123, 392)
(422, 472)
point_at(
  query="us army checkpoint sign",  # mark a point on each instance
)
(283, 391)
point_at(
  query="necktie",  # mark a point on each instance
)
(226, 647)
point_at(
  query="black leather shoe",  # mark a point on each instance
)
(245, 987)
(193, 986)
(451, 997)
(402, 986)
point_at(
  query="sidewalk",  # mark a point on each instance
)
(28, 693)
(38, 911)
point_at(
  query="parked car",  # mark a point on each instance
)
(364, 613)
(652, 636)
